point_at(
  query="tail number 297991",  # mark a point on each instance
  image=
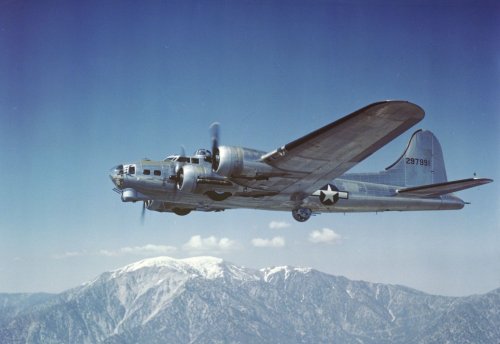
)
(417, 161)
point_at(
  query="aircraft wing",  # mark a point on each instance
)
(310, 162)
(438, 189)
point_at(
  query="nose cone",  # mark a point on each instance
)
(116, 175)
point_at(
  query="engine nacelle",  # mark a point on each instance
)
(201, 179)
(240, 162)
(166, 207)
(187, 177)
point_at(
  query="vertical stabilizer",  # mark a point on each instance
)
(422, 162)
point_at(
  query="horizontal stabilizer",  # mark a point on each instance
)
(438, 189)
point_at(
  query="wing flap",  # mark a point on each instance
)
(432, 190)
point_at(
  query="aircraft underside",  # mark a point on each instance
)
(183, 203)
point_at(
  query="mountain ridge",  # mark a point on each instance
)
(207, 300)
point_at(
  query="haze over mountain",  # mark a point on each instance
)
(208, 300)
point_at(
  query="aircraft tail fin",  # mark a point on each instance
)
(420, 170)
(421, 163)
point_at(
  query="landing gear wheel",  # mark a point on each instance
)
(181, 211)
(301, 214)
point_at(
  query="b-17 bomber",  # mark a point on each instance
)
(307, 176)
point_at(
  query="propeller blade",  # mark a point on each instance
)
(215, 135)
(178, 165)
(143, 213)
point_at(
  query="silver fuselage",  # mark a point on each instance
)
(161, 191)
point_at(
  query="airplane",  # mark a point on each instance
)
(307, 176)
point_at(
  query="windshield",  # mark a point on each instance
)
(117, 169)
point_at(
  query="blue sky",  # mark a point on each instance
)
(87, 85)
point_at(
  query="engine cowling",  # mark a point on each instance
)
(187, 177)
(201, 179)
(240, 162)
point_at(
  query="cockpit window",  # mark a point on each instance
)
(203, 152)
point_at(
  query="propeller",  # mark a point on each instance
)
(214, 135)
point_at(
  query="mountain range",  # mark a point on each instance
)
(208, 300)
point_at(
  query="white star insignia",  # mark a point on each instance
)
(328, 195)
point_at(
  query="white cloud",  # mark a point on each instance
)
(209, 244)
(278, 224)
(274, 242)
(108, 253)
(146, 250)
(324, 235)
(68, 254)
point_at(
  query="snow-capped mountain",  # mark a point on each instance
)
(207, 300)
